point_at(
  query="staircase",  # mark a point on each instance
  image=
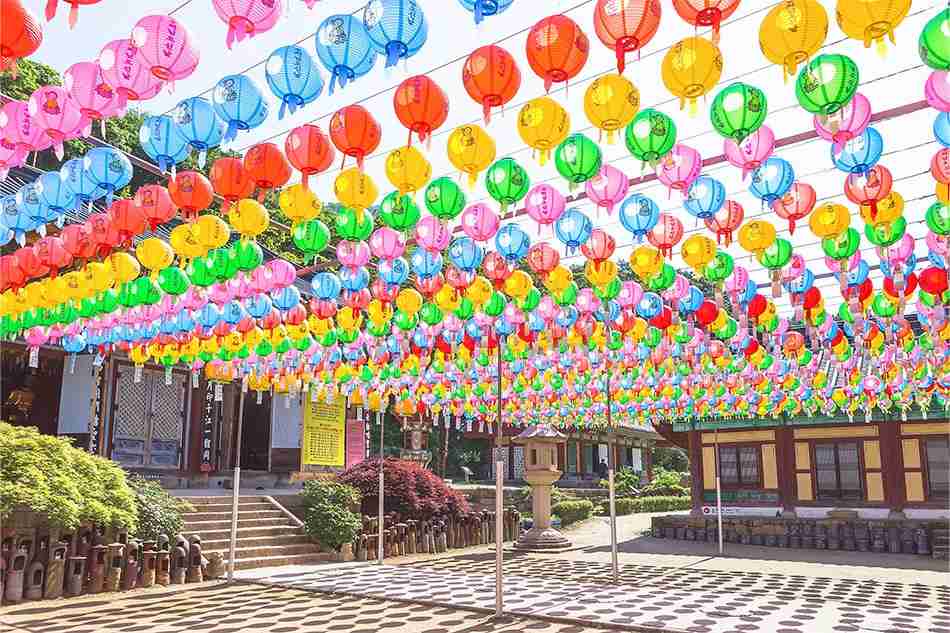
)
(941, 543)
(266, 537)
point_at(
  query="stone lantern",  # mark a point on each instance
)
(540, 471)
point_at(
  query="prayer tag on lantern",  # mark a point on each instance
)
(194, 380)
(218, 392)
(244, 384)
(168, 376)
(260, 397)
(34, 357)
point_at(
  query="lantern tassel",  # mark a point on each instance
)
(305, 180)
(232, 34)
(479, 11)
(73, 16)
(51, 9)
(282, 111)
(621, 56)
(202, 158)
(393, 53)
(231, 133)
(486, 110)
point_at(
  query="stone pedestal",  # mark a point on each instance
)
(541, 472)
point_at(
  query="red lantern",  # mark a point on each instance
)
(626, 25)
(751, 348)
(355, 299)
(355, 132)
(706, 13)
(52, 254)
(542, 258)
(156, 205)
(428, 286)
(706, 313)
(868, 189)
(421, 106)
(496, 268)
(20, 34)
(323, 309)
(811, 299)
(77, 240)
(491, 77)
(103, 234)
(663, 319)
(191, 192)
(933, 281)
(599, 246)
(230, 181)
(910, 285)
(383, 291)
(11, 275)
(267, 167)
(757, 306)
(557, 49)
(127, 218)
(797, 203)
(73, 9)
(666, 234)
(458, 279)
(29, 263)
(940, 166)
(726, 220)
(309, 150)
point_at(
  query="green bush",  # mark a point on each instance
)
(665, 483)
(626, 482)
(557, 496)
(330, 519)
(158, 512)
(660, 504)
(624, 505)
(573, 511)
(49, 476)
(317, 492)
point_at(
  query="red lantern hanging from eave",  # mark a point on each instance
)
(491, 77)
(706, 13)
(421, 106)
(11, 275)
(626, 25)
(20, 34)
(355, 132)
(51, 6)
(230, 181)
(156, 204)
(267, 167)
(557, 49)
(127, 218)
(309, 150)
(191, 192)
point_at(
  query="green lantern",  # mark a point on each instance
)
(146, 292)
(249, 255)
(352, 225)
(311, 237)
(223, 263)
(200, 272)
(567, 297)
(507, 182)
(738, 111)
(466, 309)
(650, 136)
(934, 42)
(938, 218)
(430, 314)
(577, 159)
(882, 306)
(827, 83)
(842, 246)
(444, 198)
(107, 301)
(127, 297)
(777, 254)
(495, 305)
(720, 267)
(399, 211)
(173, 281)
(886, 234)
(664, 279)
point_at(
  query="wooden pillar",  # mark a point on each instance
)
(785, 467)
(648, 460)
(580, 456)
(892, 465)
(696, 470)
(562, 457)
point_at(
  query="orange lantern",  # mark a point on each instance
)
(355, 132)
(230, 181)
(421, 106)
(626, 25)
(557, 49)
(191, 192)
(491, 77)
(309, 150)
(267, 167)
(706, 13)
(127, 219)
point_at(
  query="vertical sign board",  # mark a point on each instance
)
(324, 430)
(95, 416)
(208, 410)
(355, 442)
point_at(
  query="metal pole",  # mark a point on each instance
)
(718, 491)
(381, 416)
(236, 488)
(499, 495)
(611, 460)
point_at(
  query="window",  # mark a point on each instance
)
(937, 452)
(838, 471)
(739, 466)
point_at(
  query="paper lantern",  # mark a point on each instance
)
(77, 240)
(127, 73)
(201, 127)
(940, 166)
(165, 46)
(238, 101)
(827, 83)
(859, 154)
(397, 28)
(679, 167)
(752, 151)
(557, 49)
(704, 197)
(249, 218)
(355, 189)
(299, 204)
(191, 192)
(573, 229)
(56, 196)
(650, 136)
(57, 115)
(127, 218)
(690, 69)
(156, 205)
(738, 111)
(74, 5)
(470, 149)
(795, 204)
(697, 251)
(941, 128)
(247, 18)
(162, 140)
(610, 103)
(344, 48)
(86, 188)
(407, 169)
(479, 222)
(725, 221)
(21, 131)
(577, 159)
(756, 235)
(421, 106)
(626, 25)
(829, 219)
(666, 234)
(108, 168)
(399, 212)
(230, 181)
(706, 13)
(87, 88)
(885, 210)
(512, 243)
(292, 77)
(544, 204)
(507, 182)
(543, 124)
(20, 34)
(772, 180)
(355, 132)
(444, 199)
(309, 150)
(491, 77)
(792, 32)
(934, 41)
(607, 188)
(871, 20)
(867, 189)
(480, 9)
(937, 90)
(267, 167)
(846, 123)
(639, 214)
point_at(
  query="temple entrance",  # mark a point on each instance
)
(149, 417)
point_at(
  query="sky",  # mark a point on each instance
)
(891, 80)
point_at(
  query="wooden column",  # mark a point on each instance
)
(785, 466)
(648, 460)
(892, 465)
(580, 456)
(695, 470)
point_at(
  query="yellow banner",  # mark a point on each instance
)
(323, 433)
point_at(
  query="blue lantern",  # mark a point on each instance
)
(772, 180)
(942, 128)
(650, 305)
(199, 124)
(57, 196)
(573, 228)
(857, 275)
(286, 298)
(239, 103)
(691, 302)
(354, 279)
(704, 197)
(639, 214)
(861, 153)
(484, 8)
(74, 174)
(209, 315)
(6, 235)
(394, 272)
(465, 254)
(293, 78)
(326, 286)
(30, 201)
(425, 264)
(259, 306)
(801, 283)
(512, 243)
(567, 316)
(14, 219)
(109, 168)
(397, 28)
(163, 141)
(344, 49)
(232, 312)
(909, 265)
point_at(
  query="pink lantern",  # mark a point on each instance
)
(21, 132)
(88, 90)
(899, 252)
(937, 90)
(835, 266)
(247, 18)
(630, 294)
(752, 151)
(59, 116)
(8, 160)
(479, 222)
(726, 220)
(587, 302)
(387, 243)
(220, 293)
(432, 235)
(607, 188)
(936, 243)
(794, 269)
(797, 203)
(679, 168)
(599, 246)
(940, 166)
(542, 258)
(283, 272)
(544, 204)
(869, 188)
(127, 73)
(165, 47)
(845, 124)
(666, 234)
(352, 254)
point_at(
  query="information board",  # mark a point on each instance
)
(324, 428)
(355, 442)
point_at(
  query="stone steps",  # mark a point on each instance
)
(940, 547)
(254, 506)
(249, 532)
(281, 561)
(243, 552)
(195, 525)
(243, 515)
(263, 541)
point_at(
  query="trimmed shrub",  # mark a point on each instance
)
(665, 483)
(573, 511)
(626, 482)
(410, 489)
(330, 518)
(158, 512)
(624, 505)
(317, 492)
(661, 504)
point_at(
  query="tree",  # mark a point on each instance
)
(671, 458)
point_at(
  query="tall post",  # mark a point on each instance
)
(499, 493)
(381, 418)
(718, 490)
(611, 461)
(236, 487)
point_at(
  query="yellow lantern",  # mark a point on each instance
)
(186, 242)
(792, 32)
(123, 267)
(871, 20)
(409, 301)
(518, 284)
(690, 69)
(76, 287)
(829, 219)
(646, 262)
(943, 192)
(233, 341)
(600, 273)
(355, 189)
(479, 291)
(299, 204)
(154, 254)
(610, 103)
(542, 125)
(698, 251)
(348, 319)
(558, 279)
(138, 354)
(884, 211)
(470, 150)
(448, 298)
(407, 169)
(249, 218)
(756, 235)
(212, 231)
(379, 313)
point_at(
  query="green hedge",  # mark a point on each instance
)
(573, 511)
(654, 504)
(330, 519)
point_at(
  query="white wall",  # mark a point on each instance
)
(75, 401)
(286, 421)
